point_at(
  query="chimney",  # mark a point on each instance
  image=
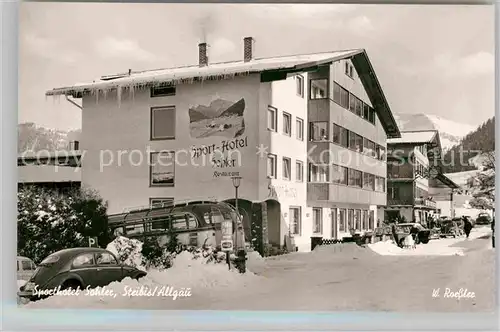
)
(203, 58)
(248, 48)
(74, 145)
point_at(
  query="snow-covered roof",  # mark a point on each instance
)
(410, 137)
(48, 173)
(223, 70)
(28, 155)
(214, 70)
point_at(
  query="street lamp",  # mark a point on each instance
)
(239, 252)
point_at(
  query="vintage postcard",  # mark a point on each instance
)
(310, 157)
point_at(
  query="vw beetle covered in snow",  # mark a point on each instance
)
(76, 268)
(195, 223)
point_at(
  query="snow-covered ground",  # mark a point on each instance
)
(333, 277)
(438, 247)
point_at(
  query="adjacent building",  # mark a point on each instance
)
(307, 134)
(413, 176)
(57, 170)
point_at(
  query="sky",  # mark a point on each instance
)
(429, 59)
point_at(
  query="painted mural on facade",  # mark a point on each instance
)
(222, 118)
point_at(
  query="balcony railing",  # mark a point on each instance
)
(400, 172)
(425, 202)
(411, 202)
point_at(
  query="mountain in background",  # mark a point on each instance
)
(215, 109)
(31, 137)
(450, 132)
(471, 152)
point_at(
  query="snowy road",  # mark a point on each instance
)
(337, 277)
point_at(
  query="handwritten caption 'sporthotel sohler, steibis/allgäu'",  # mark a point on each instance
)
(448, 293)
(165, 291)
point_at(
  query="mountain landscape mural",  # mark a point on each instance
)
(221, 117)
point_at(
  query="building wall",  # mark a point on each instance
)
(328, 196)
(290, 193)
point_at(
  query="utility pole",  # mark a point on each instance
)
(452, 209)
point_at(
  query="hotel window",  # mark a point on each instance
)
(299, 129)
(352, 103)
(271, 166)
(299, 80)
(366, 111)
(339, 174)
(352, 140)
(287, 124)
(350, 219)
(380, 153)
(162, 123)
(272, 119)
(295, 220)
(344, 137)
(342, 221)
(318, 131)
(368, 181)
(160, 202)
(371, 220)
(371, 116)
(355, 178)
(347, 68)
(162, 91)
(287, 165)
(380, 184)
(366, 226)
(318, 173)
(336, 134)
(299, 171)
(344, 98)
(358, 143)
(351, 70)
(162, 169)
(319, 88)
(357, 220)
(317, 220)
(359, 107)
(369, 148)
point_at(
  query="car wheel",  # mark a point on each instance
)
(417, 239)
(71, 284)
(425, 240)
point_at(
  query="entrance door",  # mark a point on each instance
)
(334, 223)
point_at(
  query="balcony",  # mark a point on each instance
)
(402, 172)
(344, 194)
(418, 202)
(425, 202)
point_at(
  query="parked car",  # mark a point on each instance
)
(25, 268)
(422, 234)
(77, 268)
(483, 219)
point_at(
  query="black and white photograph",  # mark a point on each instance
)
(271, 157)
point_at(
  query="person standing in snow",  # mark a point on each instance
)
(395, 234)
(493, 232)
(467, 226)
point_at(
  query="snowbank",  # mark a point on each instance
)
(128, 251)
(191, 275)
(433, 248)
(438, 247)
